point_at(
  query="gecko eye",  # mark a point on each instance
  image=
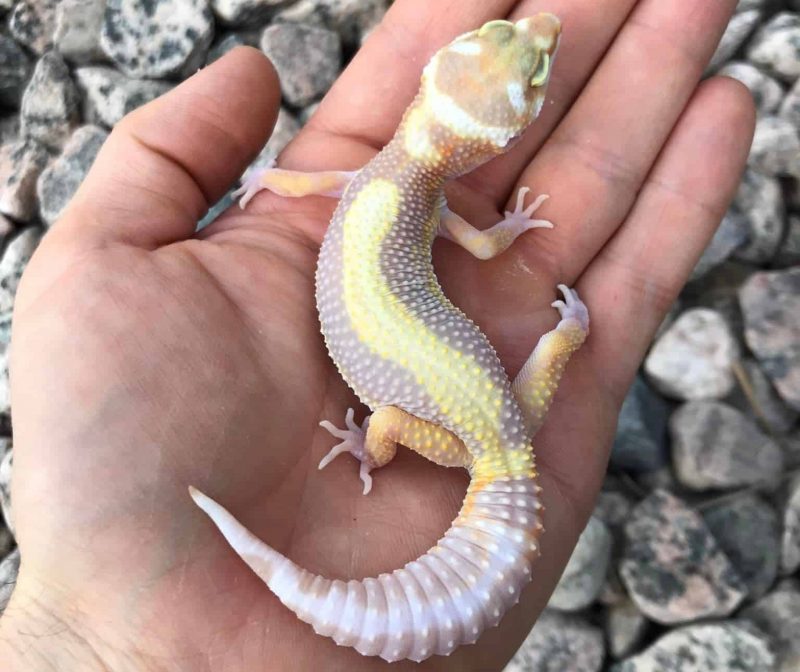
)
(542, 71)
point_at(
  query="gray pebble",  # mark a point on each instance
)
(741, 25)
(77, 32)
(625, 627)
(60, 180)
(168, 38)
(715, 446)
(693, 359)
(32, 23)
(560, 643)
(21, 163)
(776, 147)
(585, 573)
(790, 541)
(109, 95)
(711, 647)
(771, 308)
(51, 103)
(760, 200)
(672, 567)
(776, 46)
(640, 443)
(778, 615)
(761, 401)
(15, 69)
(15, 258)
(307, 59)
(747, 530)
(733, 233)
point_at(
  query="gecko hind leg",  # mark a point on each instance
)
(498, 238)
(293, 183)
(537, 381)
(374, 443)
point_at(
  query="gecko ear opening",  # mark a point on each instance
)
(542, 71)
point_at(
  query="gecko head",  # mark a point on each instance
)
(486, 87)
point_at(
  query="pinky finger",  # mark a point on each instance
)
(635, 278)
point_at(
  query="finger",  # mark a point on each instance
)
(637, 276)
(166, 163)
(363, 109)
(585, 39)
(598, 158)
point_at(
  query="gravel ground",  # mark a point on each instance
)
(690, 561)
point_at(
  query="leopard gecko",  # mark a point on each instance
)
(430, 377)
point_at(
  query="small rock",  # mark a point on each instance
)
(168, 38)
(746, 529)
(307, 112)
(613, 509)
(771, 307)
(307, 59)
(641, 440)
(693, 359)
(778, 615)
(711, 647)
(6, 464)
(21, 163)
(625, 627)
(715, 446)
(61, 179)
(761, 401)
(15, 69)
(776, 147)
(109, 95)
(672, 567)
(789, 252)
(50, 105)
(560, 643)
(244, 12)
(744, 5)
(77, 32)
(6, 228)
(352, 19)
(732, 233)
(776, 46)
(760, 200)
(738, 30)
(9, 568)
(15, 258)
(32, 23)
(585, 573)
(790, 543)
(767, 92)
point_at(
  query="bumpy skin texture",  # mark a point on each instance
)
(431, 377)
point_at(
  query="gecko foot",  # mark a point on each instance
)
(252, 183)
(521, 216)
(572, 308)
(353, 442)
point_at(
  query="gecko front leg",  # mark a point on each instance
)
(293, 183)
(497, 239)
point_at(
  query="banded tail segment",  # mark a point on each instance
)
(445, 598)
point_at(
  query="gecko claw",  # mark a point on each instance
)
(522, 215)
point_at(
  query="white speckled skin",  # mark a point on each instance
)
(400, 343)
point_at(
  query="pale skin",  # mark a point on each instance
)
(146, 359)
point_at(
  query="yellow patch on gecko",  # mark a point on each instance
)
(375, 313)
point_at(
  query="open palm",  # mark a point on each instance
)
(146, 358)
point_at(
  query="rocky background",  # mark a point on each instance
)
(691, 559)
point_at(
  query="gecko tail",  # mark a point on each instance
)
(447, 597)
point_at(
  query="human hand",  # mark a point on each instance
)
(146, 358)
